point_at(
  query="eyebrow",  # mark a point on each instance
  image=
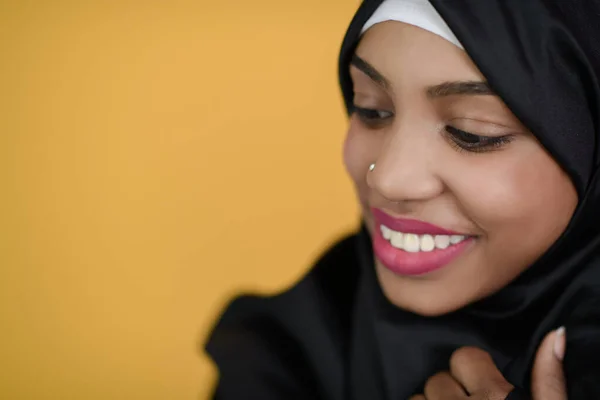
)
(460, 88)
(453, 88)
(370, 71)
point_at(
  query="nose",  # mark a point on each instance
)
(407, 165)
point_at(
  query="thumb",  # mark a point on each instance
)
(548, 379)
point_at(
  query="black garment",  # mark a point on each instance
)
(335, 336)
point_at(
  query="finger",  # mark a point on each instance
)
(547, 378)
(476, 371)
(443, 386)
(418, 397)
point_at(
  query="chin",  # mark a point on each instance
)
(417, 295)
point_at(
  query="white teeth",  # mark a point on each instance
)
(442, 241)
(413, 243)
(386, 232)
(397, 240)
(427, 243)
(454, 239)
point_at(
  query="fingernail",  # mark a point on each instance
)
(560, 343)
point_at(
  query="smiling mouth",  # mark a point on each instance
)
(412, 247)
(413, 243)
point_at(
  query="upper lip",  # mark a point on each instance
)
(405, 225)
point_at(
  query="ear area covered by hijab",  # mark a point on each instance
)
(335, 336)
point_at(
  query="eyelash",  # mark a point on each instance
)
(460, 140)
(372, 117)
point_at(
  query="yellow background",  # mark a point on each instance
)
(157, 158)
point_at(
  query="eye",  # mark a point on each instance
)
(371, 117)
(463, 140)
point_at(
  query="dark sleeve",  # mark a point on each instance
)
(256, 358)
(518, 394)
(582, 357)
(292, 345)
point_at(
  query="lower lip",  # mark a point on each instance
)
(404, 263)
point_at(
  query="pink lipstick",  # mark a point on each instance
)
(412, 247)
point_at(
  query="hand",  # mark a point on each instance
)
(473, 375)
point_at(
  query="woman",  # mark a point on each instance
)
(474, 146)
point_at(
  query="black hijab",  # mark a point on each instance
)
(335, 336)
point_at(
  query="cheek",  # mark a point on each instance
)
(360, 150)
(359, 153)
(353, 160)
(521, 193)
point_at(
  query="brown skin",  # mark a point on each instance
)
(511, 195)
(473, 375)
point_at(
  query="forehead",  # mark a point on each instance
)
(405, 53)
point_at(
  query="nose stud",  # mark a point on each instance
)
(371, 167)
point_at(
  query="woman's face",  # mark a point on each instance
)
(447, 152)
